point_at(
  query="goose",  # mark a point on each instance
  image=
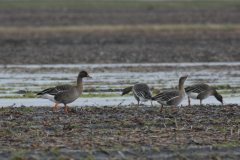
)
(141, 92)
(202, 91)
(172, 97)
(64, 93)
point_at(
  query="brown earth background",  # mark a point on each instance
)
(118, 45)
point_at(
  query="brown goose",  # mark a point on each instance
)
(64, 93)
(202, 91)
(140, 91)
(172, 97)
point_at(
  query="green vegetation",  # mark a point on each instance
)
(90, 158)
(27, 95)
(117, 4)
(3, 133)
(5, 89)
(30, 123)
(126, 123)
(30, 109)
(229, 145)
(218, 145)
(8, 130)
(55, 150)
(62, 157)
(224, 86)
(18, 157)
(74, 125)
(101, 95)
(153, 122)
(224, 92)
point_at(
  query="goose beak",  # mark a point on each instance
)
(89, 76)
(186, 76)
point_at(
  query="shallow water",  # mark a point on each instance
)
(12, 82)
(108, 101)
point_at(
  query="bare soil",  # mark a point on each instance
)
(115, 16)
(118, 47)
(196, 132)
(122, 46)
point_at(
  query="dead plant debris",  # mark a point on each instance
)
(120, 132)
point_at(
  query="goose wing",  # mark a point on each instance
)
(166, 96)
(142, 91)
(144, 94)
(197, 88)
(55, 90)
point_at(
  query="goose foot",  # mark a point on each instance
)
(161, 108)
(66, 108)
(54, 107)
(138, 104)
(189, 104)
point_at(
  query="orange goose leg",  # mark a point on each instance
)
(189, 104)
(200, 102)
(138, 104)
(172, 109)
(66, 108)
(151, 104)
(161, 108)
(54, 107)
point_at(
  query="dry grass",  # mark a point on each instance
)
(119, 28)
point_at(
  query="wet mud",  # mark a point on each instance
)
(195, 132)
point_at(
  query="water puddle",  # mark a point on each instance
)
(108, 101)
(11, 83)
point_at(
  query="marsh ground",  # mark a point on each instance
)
(95, 32)
(20, 83)
(103, 125)
(123, 132)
